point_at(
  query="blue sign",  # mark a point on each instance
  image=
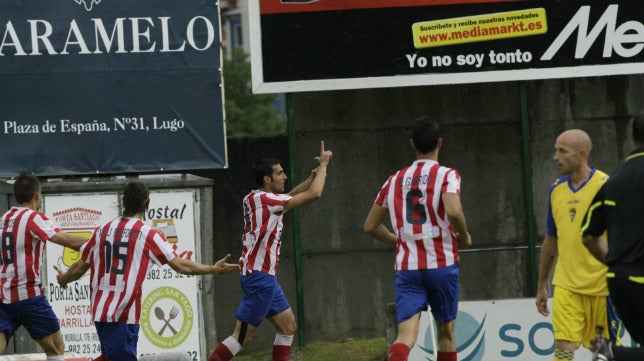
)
(110, 86)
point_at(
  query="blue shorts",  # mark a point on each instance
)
(263, 298)
(438, 287)
(118, 340)
(35, 314)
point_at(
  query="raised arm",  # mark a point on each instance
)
(314, 191)
(305, 184)
(189, 267)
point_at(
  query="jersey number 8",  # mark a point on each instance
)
(7, 253)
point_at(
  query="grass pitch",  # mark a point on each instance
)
(351, 350)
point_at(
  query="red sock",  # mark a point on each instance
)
(226, 350)
(446, 356)
(220, 353)
(281, 353)
(398, 352)
(282, 347)
(101, 358)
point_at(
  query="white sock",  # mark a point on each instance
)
(56, 358)
(232, 344)
(283, 340)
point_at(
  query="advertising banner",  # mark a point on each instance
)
(497, 330)
(91, 86)
(170, 304)
(308, 45)
(170, 308)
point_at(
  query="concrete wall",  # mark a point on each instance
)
(348, 277)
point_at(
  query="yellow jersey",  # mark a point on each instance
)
(576, 270)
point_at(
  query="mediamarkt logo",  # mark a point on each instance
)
(107, 38)
(627, 39)
(88, 3)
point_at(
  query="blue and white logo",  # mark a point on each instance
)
(469, 335)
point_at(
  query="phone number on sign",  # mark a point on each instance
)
(164, 274)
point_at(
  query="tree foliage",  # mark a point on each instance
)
(247, 113)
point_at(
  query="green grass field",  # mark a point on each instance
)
(352, 349)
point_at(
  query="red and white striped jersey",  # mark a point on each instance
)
(119, 255)
(263, 222)
(425, 238)
(24, 233)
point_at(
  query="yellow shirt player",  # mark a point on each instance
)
(576, 271)
(580, 296)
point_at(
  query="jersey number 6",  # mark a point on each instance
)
(415, 211)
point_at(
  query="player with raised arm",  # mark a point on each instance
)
(263, 298)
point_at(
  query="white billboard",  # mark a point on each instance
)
(170, 305)
(497, 330)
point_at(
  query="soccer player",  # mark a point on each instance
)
(263, 298)
(119, 254)
(580, 296)
(424, 206)
(24, 231)
(619, 208)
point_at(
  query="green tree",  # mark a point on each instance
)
(247, 113)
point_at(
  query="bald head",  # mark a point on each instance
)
(571, 152)
(577, 139)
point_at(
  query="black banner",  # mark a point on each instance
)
(336, 44)
(110, 86)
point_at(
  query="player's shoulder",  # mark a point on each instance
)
(33, 215)
(559, 182)
(601, 176)
(263, 198)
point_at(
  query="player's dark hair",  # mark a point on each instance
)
(136, 198)
(638, 128)
(25, 186)
(262, 168)
(425, 134)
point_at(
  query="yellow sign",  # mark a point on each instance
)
(70, 256)
(471, 29)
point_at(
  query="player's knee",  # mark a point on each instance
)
(287, 328)
(52, 345)
(53, 349)
(290, 329)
